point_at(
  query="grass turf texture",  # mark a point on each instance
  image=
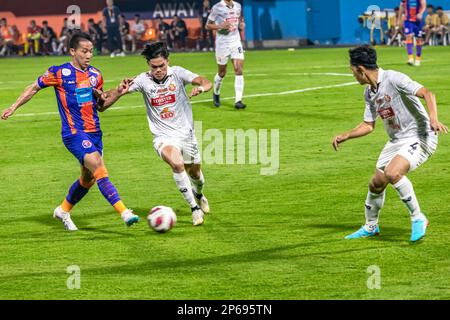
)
(268, 237)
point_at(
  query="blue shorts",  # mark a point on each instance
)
(80, 144)
(414, 27)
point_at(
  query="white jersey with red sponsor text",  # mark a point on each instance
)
(395, 102)
(221, 13)
(169, 111)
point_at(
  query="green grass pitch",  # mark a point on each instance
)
(268, 237)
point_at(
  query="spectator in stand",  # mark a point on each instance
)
(207, 35)
(180, 33)
(395, 32)
(33, 39)
(64, 38)
(6, 38)
(442, 24)
(125, 32)
(111, 25)
(165, 33)
(96, 35)
(430, 23)
(137, 31)
(49, 45)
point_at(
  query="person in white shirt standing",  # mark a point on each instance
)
(169, 114)
(394, 97)
(226, 19)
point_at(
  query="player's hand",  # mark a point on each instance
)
(195, 92)
(225, 27)
(420, 16)
(337, 140)
(8, 112)
(438, 127)
(125, 86)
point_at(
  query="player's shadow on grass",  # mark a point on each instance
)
(392, 234)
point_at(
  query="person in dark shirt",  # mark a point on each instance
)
(124, 32)
(96, 34)
(180, 32)
(207, 35)
(111, 25)
(48, 37)
(165, 33)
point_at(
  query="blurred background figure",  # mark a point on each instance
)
(48, 36)
(33, 39)
(207, 37)
(111, 25)
(125, 32)
(6, 38)
(165, 33)
(137, 32)
(180, 33)
(96, 34)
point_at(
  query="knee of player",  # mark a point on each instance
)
(87, 182)
(222, 74)
(376, 187)
(178, 166)
(392, 175)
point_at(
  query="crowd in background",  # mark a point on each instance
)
(112, 35)
(435, 30)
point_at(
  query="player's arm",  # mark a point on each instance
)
(430, 100)
(364, 128)
(211, 25)
(423, 4)
(108, 98)
(26, 96)
(200, 85)
(400, 14)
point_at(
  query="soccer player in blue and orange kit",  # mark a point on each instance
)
(413, 11)
(78, 87)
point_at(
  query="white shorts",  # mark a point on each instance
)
(233, 51)
(415, 150)
(188, 147)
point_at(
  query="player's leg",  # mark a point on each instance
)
(218, 79)
(411, 155)
(238, 65)
(419, 43)
(95, 164)
(373, 205)
(198, 182)
(76, 192)
(173, 157)
(409, 34)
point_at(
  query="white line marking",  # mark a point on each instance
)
(209, 100)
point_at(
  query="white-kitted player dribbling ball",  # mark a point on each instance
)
(161, 218)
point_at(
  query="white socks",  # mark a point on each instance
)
(217, 83)
(198, 184)
(239, 87)
(406, 192)
(184, 185)
(374, 203)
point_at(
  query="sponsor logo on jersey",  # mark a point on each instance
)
(386, 113)
(93, 81)
(166, 114)
(86, 144)
(172, 87)
(163, 100)
(66, 72)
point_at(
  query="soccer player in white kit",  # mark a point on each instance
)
(226, 19)
(169, 114)
(394, 97)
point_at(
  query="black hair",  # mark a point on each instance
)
(430, 6)
(439, 8)
(45, 22)
(137, 15)
(365, 56)
(396, 8)
(155, 50)
(77, 38)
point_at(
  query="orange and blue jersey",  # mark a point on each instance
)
(412, 9)
(74, 94)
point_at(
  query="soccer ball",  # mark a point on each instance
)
(161, 218)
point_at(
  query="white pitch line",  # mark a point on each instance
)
(209, 100)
